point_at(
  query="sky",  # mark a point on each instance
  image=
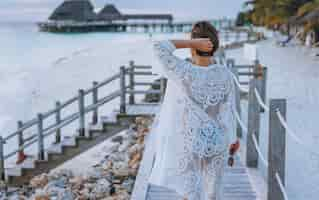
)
(37, 10)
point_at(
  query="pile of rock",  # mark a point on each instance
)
(112, 179)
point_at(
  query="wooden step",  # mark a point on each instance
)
(60, 153)
(160, 193)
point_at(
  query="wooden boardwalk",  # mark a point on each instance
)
(237, 185)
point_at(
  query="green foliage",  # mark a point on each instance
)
(307, 7)
(271, 12)
(242, 19)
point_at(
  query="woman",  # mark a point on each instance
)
(196, 121)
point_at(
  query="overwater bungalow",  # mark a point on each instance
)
(111, 13)
(79, 16)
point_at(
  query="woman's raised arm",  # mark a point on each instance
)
(175, 66)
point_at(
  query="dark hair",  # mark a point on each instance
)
(204, 29)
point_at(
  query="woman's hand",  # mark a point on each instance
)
(234, 147)
(232, 150)
(202, 44)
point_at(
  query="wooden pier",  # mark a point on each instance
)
(80, 16)
(67, 27)
(106, 26)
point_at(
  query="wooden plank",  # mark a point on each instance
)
(277, 149)
(237, 97)
(253, 125)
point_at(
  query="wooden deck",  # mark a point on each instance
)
(237, 185)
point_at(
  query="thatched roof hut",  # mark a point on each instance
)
(76, 10)
(83, 10)
(109, 12)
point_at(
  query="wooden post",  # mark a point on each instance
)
(237, 36)
(263, 90)
(253, 124)
(82, 113)
(261, 74)
(123, 91)
(2, 170)
(21, 155)
(162, 89)
(41, 155)
(277, 149)
(256, 69)
(95, 100)
(58, 121)
(226, 36)
(222, 58)
(234, 70)
(131, 79)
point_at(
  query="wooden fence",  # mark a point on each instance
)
(256, 95)
(43, 132)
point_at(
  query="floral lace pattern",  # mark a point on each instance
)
(206, 117)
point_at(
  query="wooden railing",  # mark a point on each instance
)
(43, 132)
(276, 129)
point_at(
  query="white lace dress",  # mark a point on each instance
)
(194, 127)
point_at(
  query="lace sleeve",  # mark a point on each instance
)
(175, 67)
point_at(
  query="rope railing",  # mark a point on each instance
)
(260, 101)
(294, 135)
(284, 124)
(240, 122)
(257, 105)
(281, 186)
(240, 87)
(262, 158)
